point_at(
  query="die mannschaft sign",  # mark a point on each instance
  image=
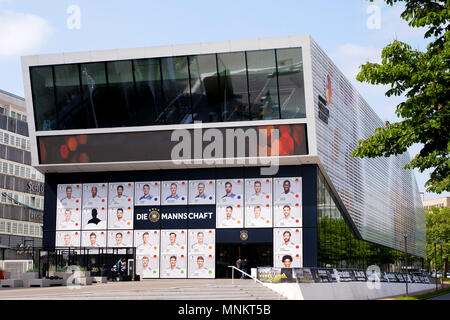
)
(175, 217)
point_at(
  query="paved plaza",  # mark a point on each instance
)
(160, 289)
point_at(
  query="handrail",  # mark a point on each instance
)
(256, 280)
(243, 272)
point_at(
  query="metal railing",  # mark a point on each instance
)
(243, 272)
(251, 277)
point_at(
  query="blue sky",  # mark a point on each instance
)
(339, 27)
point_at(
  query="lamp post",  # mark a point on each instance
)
(435, 263)
(406, 260)
(442, 266)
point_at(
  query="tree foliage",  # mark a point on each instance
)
(438, 227)
(423, 78)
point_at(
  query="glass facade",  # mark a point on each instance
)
(338, 247)
(234, 86)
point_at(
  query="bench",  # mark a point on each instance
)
(11, 283)
(83, 281)
(43, 283)
(99, 279)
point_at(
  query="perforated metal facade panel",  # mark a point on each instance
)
(382, 199)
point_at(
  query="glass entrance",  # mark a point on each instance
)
(257, 255)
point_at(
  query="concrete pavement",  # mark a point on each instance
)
(160, 289)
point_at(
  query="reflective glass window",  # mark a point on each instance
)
(263, 85)
(205, 90)
(149, 98)
(43, 98)
(291, 83)
(71, 113)
(95, 94)
(176, 90)
(122, 111)
(233, 86)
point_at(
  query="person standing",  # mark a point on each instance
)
(117, 269)
(239, 264)
(244, 268)
(123, 269)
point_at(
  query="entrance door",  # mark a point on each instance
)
(257, 255)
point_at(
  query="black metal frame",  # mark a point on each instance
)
(48, 257)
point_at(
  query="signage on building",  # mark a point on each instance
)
(35, 216)
(173, 217)
(35, 187)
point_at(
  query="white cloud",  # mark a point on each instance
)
(349, 57)
(22, 33)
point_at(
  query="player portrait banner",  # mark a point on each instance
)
(95, 195)
(147, 243)
(69, 196)
(201, 253)
(94, 240)
(68, 239)
(173, 254)
(123, 147)
(288, 248)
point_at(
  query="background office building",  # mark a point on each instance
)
(102, 130)
(438, 203)
(21, 185)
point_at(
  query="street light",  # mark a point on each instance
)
(435, 263)
(406, 258)
(442, 266)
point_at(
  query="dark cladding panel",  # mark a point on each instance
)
(309, 247)
(235, 235)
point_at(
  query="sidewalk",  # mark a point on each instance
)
(416, 293)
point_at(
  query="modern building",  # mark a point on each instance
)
(21, 185)
(438, 203)
(198, 154)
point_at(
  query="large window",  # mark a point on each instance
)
(233, 86)
(149, 100)
(68, 97)
(291, 84)
(338, 247)
(44, 98)
(176, 90)
(122, 107)
(95, 94)
(205, 89)
(263, 85)
(237, 86)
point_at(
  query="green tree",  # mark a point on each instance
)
(423, 78)
(438, 227)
